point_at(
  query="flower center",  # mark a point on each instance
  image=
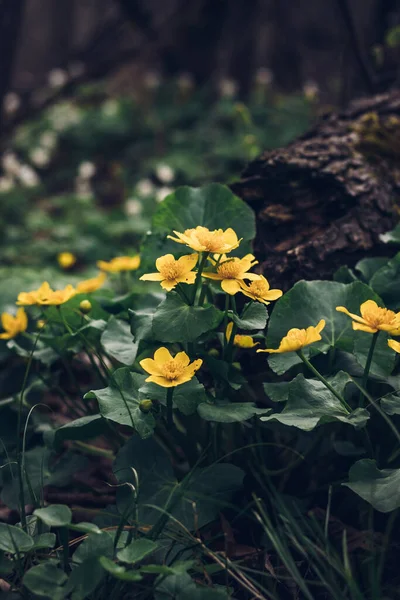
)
(229, 269)
(258, 288)
(380, 316)
(172, 370)
(212, 241)
(171, 270)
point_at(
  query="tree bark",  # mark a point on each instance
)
(324, 200)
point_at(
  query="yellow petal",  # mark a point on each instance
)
(168, 284)
(164, 260)
(273, 294)
(162, 381)
(151, 277)
(7, 321)
(230, 286)
(150, 366)
(22, 319)
(182, 358)
(313, 333)
(162, 355)
(368, 307)
(361, 327)
(394, 345)
(188, 261)
(214, 276)
(188, 278)
(5, 336)
(228, 331)
(357, 318)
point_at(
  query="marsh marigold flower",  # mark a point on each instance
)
(260, 291)
(168, 371)
(13, 325)
(394, 345)
(66, 259)
(202, 239)
(91, 285)
(241, 341)
(120, 263)
(374, 318)
(232, 271)
(171, 271)
(45, 296)
(296, 339)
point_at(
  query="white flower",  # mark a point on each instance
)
(27, 176)
(48, 140)
(6, 184)
(152, 80)
(133, 207)
(57, 78)
(10, 163)
(164, 173)
(162, 193)
(87, 170)
(264, 76)
(11, 103)
(40, 157)
(144, 187)
(110, 108)
(311, 89)
(228, 88)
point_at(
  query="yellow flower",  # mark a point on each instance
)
(296, 339)
(202, 239)
(13, 325)
(167, 371)
(374, 318)
(232, 271)
(66, 259)
(46, 296)
(120, 263)
(259, 290)
(171, 271)
(91, 285)
(241, 341)
(394, 345)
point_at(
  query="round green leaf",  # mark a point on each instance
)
(45, 580)
(136, 551)
(254, 316)
(117, 341)
(229, 412)
(83, 428)
(383, 358)
(380, 488)
(118, 571)
(13, 539)
(54, 515)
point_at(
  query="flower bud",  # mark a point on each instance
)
(146, 405)
(85, 307)
(213, 352)
(41, 324)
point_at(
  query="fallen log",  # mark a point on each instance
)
(323, 201)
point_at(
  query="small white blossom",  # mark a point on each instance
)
(40, 157)
(264, 76)
(162, 193)
(133, 207)
(144, 187)
(48, 140)
(57, 78)
(152, 80)
(87, 170)
(11, 103)
(27, 176)
(228, 88)
(6, 184)
(164, 173)
(10, 163)
(311, 89)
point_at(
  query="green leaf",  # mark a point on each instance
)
(380, 488)
(278, 391)
(344, 275)
(369, 266)
(142, 323)
(13, 539)
(254, 316)
(45, 540)
(45, 580)
(84, 428)
(85, 527)
(392, 38)
(391, 404)
(175, 321)
(95, 545)
(54, 515)
(213, 206)
(386, 282)
(304, 305)
(80, 583)
(120, 402)
(229, 412)
(383, 359)
(310, 404)
(223, 371)
(186, 396)
(391, 237)
(118, 571)
(117, 341)
(136, 551)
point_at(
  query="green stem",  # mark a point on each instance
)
(203, 294)
(229, 347)
(170, 394)
(198, 276)
(63, 534)
(179, 289)
(324, 381)
(226, 318)
(368, 367)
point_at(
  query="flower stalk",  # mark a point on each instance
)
(170, 419)
(368, 367)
